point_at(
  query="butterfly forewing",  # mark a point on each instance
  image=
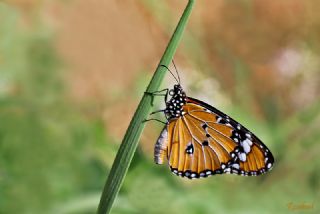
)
(252, 157)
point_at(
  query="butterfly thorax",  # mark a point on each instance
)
(174, 107)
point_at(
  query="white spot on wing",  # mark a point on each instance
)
(269, 165)
(227, 170)
(246, 146)
(242, 157)
(235, 165)
(219, 119)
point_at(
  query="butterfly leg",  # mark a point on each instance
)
(158, 93)
(155, 112)
(158, 111)
(153, 119)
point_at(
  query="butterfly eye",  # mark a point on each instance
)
(171, 92)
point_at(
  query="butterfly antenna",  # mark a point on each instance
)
(178, 80)
(175, 67)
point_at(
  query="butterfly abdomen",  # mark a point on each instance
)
(161, 147)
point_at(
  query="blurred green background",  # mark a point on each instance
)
(72, 73)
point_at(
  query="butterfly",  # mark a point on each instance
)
(198, 141)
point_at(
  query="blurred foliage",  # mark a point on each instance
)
(47, 146)
(262, 63)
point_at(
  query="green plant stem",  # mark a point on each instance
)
(132, 136)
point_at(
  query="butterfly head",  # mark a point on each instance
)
(174, 107)
(177, 89)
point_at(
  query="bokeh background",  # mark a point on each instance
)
(72, 73)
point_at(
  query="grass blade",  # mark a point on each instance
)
(132, 136)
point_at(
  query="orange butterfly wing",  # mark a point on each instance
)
(205, 141)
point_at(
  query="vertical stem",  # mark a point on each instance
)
(132, 136)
